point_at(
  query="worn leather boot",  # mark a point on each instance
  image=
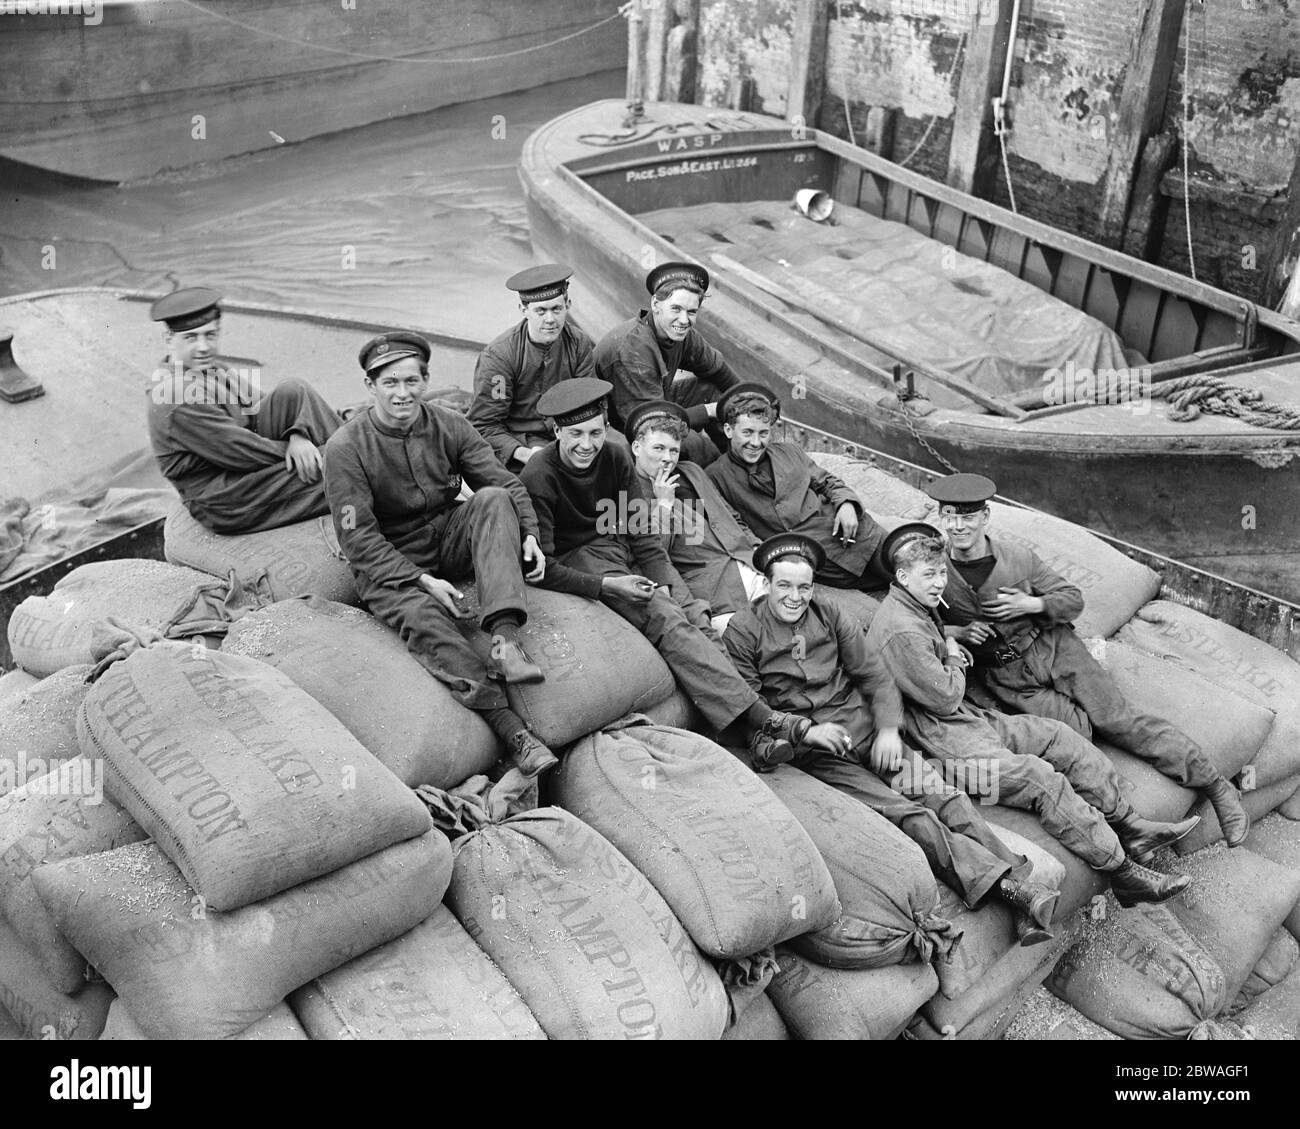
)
(1031, 898)
(510, 662)
(1143, 837)
(775, 741)
(1028, 931)
(1233, 818)
(532, 757)
(1135, 883)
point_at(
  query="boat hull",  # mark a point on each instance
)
(1224, 502)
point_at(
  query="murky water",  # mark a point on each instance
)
(418, 219)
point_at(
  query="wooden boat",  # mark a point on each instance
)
(795, 303)
(94, 349)
(134, 88)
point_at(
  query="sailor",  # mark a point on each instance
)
(641, 357)
(241, 459)
(807, 658)
(582, 487)
(1015, 613)
(1020, 761)
(708, 545)
(393, 474)
(518, 366)
(777, 488)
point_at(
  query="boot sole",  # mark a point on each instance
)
(1037, 937)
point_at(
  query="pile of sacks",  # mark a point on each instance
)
(260, 860)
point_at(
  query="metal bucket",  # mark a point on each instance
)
(814, 203)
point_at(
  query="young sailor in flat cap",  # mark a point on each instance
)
(1035, 763)
(805, 657)
(1015, 613)
(240, 458)
(392, 475)
(518, 366)
(580, 484)
(641, 357)
(708, 545)
(777, 488)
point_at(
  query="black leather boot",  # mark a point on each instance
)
(510, 662)
(776, 739)
(1030, 898)
(1028, 931)
(1143, 837)
(532, 757)
(1233, 818)
(1135, 883)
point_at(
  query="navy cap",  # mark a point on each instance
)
(909, 531)
(691, 273)
(188, 308)
(541, 283)
(785, 544)
(390, 347)
(966, 493)
(573, 401)
(653, 409)
(748, 388)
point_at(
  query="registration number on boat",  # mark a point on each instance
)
(684, 168)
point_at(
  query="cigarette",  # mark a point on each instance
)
(943, 601)
(849, 541)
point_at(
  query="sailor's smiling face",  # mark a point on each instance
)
(194, 348)
(675, 314)
(749, 437)
(397, 389)
(580, 443)
(790, 587)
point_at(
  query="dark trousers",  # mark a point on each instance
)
(1057, 677)
(273, 496)
(481, 537)
(962, 850)
(700, 664)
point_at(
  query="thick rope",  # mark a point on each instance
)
(1192, 396)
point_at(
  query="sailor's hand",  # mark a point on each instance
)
(886, 756)
(845, 526)
(634, 589)
(975, 632)
(534, 556)
(523, 454)
(445, 593)
(665, 484)
(1010, 603)
(303, 458)
(830, 736)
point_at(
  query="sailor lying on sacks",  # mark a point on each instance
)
(807, 658)
(1035, 763)
(641, 358)
(580, 484)
(534, 355)
(393, 474)
(242, 460)
(1015, 613)
(777, 488)
(707, 543)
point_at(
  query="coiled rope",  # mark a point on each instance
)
(1192, 396)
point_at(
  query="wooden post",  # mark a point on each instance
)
(807, 62)
(880, 131)
(656, 42)
(973, 159)
(681, 58)
(1145, 222)
(1151, 60)
(635, 75)
(1281, 261)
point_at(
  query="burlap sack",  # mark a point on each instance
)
(880, 492)
(433, 982)
(247, 783)
(760, 1022)
(588, 943)
(38, 727)
(186, 971)
(1278, 839)
(43, 822)
(278, 1025)
(598, 667)
(1278, 961)
(1113, 585)
(1257, 802)
(14, 683)
(302, 559)
(727, 855)
(1274, 1014)
(47, 633)
(363, 674)
(888, 897)
(1234, 661)
(39, 1009)
(832, 1003)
